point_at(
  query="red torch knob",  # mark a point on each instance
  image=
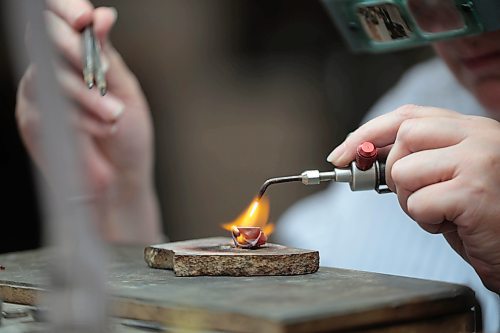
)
(366, 155)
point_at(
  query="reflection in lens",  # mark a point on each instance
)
(383, 23)
(436, 15)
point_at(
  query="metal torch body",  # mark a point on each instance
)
(372, 178)
(364, 173)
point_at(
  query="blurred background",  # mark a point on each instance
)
(239, 90)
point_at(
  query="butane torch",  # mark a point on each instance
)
(365, 173)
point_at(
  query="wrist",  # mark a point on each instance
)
(130, 213)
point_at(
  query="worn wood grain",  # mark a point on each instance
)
(218, 256)
(331, 300)
(31, 324)
(455, 323)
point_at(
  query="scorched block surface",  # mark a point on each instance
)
(218, 256)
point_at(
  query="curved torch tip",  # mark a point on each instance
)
(277, 180)
(263, 189)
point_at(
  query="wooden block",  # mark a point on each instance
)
(218, 256)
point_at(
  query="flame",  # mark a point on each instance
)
(255, 215)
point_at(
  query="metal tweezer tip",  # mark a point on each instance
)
(88, 77)
(88, 57)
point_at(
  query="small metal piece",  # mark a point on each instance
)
(99, 74)
(88, 56)
(251, 237)
(92, 66)
(310, 177)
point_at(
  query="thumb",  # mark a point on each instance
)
(77, 13)
(103, 21)
(118, 76)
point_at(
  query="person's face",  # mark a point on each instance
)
(475, 62)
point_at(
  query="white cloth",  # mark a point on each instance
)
(368, 231)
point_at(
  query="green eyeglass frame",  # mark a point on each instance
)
(353, 19)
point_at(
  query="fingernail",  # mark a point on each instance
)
(77, 16)
(113, 108)
(115, 12)
(113, 129)
(336, 153)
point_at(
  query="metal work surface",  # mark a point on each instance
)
(331, 299)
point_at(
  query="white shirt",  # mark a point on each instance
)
(369, 231)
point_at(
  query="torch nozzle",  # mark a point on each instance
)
(309, 177)
(277, 180)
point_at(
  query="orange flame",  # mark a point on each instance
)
(256, 215)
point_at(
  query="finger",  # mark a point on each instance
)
(104, 19)
(28, 116)
(27, 84)
(433, 204)
(424, 168)
(382, 130)
(420, 134)
(119, 78)
(66, 40)
(89, 124)
(28, 120)
(421, 169)
(107, 108)
(76, 13)
(456, 243)
(383, 152)
(69, 42)
(95, 127)
(98, 171)
(445, 227)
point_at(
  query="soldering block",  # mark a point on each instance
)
(219, 257)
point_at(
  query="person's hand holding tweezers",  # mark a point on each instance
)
(116, 128)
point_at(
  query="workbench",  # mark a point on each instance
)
(330, 300)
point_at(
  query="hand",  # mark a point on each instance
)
(116, 129)
(445, 169)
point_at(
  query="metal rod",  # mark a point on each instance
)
(99, 74)
(88, 56)
(92, 65)
(277, 180)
